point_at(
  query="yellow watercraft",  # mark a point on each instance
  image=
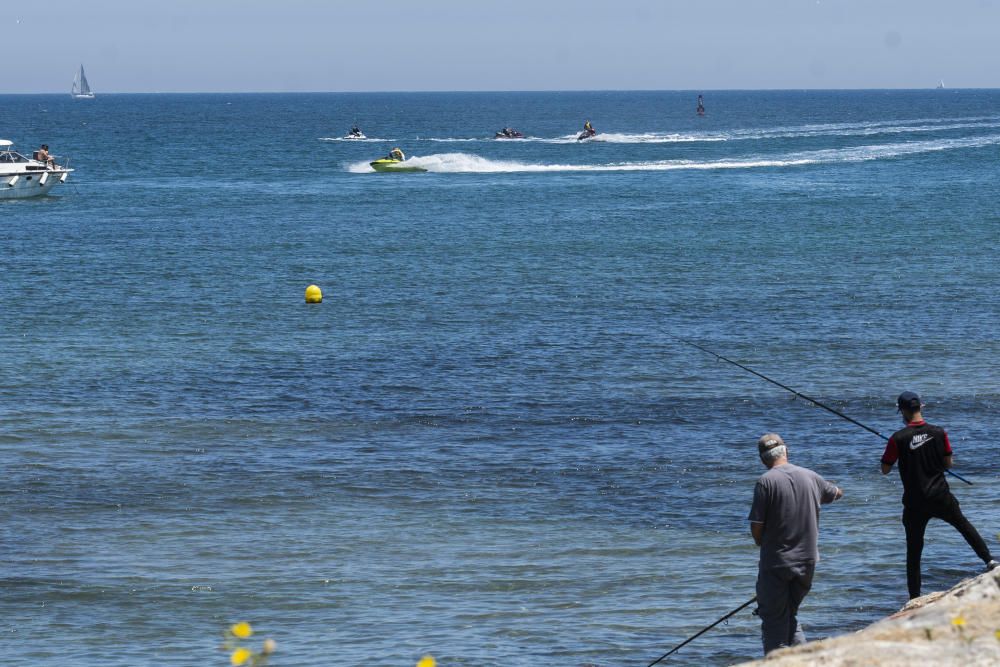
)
(389, 164)
(394, 161)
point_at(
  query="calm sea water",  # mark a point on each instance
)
(486, 442)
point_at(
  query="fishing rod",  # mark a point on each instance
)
(704, 630)
(798, 394)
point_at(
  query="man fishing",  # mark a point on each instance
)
(784, 522)
(924, 454)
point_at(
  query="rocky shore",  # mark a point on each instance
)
(959, 627)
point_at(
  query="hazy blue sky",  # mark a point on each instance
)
(329, 45)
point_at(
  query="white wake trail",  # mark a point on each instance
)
(354, 141)
(467, 163)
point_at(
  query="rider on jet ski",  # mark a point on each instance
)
(396, 154)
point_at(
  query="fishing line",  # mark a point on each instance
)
(704, 630)
(797, 393)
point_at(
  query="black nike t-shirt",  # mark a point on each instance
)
(920, 449)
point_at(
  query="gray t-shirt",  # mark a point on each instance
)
(786, 500)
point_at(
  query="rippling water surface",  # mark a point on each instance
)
(487, 443)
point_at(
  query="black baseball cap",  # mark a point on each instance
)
(908, 401)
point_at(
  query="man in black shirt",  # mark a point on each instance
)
(924, 453)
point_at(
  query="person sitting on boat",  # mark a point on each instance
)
(356, 131)
(396, 154)
(42, 155)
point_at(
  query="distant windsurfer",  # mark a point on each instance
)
(701, 106)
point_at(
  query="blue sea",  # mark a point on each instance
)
(488, 443)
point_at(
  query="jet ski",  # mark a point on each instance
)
(387, 164)
(587, 134)
(508, 133)
(355, 133)
(394, 161)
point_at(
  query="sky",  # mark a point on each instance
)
(405, 45)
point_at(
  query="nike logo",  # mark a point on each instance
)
(920, 440)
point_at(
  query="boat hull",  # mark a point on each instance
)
(397, 166)
(28, 185)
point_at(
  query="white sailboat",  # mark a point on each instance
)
(940, 85)
(81, 89)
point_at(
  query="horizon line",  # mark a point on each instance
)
(526, 90)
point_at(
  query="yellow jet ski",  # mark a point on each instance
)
(388, 164)
(395, 161)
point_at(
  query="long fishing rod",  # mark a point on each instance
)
(798, 394)
(704, 630)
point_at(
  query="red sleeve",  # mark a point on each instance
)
(947, 445)
(890, 454)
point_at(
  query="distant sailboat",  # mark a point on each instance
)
(940, 84)
(81, 89)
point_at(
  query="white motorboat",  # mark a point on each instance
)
(81, 89)
(22, 177)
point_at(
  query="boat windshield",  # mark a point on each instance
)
(11, 156)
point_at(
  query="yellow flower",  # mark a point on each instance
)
(241, 629)
(269, 646)
(427, 661)
(239, 656)
(958, 621)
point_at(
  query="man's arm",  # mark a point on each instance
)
(889, 456)
(758, 513)
(948, 461)
(828, 492)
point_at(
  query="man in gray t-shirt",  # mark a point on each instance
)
(784, 521)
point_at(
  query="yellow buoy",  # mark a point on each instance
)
(313, 294)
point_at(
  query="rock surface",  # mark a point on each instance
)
(957, 627)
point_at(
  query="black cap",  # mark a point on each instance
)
(908, 401)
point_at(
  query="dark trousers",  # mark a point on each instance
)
(780, 591)
(915, 521)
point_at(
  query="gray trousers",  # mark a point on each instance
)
(780, 591)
